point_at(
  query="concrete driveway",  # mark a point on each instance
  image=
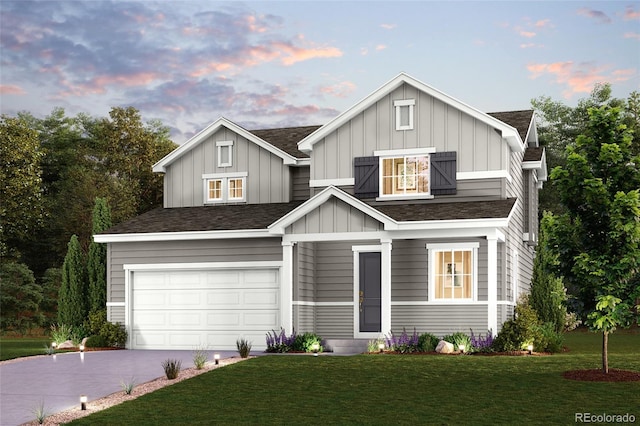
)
(59, 381)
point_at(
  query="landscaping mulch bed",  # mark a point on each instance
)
(597, 375)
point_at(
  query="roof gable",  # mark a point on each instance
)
(509, 133)
(161, 166)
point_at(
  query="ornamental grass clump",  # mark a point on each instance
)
(244, 347)
(171, 368)
(199, 358)
(458, 338)
(127, 386)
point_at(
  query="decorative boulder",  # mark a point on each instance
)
(444, 347)
(66, 345)
(84, 342)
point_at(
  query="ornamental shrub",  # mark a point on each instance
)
(96, 341)
(523, 330)
(171, 368)
(549, 340)
(304, 342)
(427, 342)
(114, 334)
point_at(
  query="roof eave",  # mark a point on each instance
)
(181, 236)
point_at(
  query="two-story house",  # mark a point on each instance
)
(409, 210)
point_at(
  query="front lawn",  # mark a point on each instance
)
(16, 347)
(392, 389)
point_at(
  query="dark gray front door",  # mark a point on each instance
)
(370, 292)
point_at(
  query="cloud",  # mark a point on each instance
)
(530, 45)
(339, 90)
(578, 77)
(632, 35)
(381, 47)
(631, 14)
(598, 15)
(527, 34)
(543, 23)
(388, 26)
(290, 54)
(10, 89)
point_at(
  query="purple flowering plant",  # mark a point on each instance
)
(403, 343)
(279, 342)
(482, 344)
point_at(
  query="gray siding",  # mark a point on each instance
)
(303, 319)
(268, 180)
(241, 250)
(300, 183)
(334, 216)
(439, 319)
(409, 270)
(334, 272)
(115, 314)
(436, 124)
(304, 288)
(334, 322)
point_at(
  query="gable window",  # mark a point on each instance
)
(225, 153)
(225, 187)
(404, 114)
(453, 271)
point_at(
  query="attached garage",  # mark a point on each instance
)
(202, 307)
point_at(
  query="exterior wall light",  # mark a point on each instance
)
(83, 402)
(216, 358)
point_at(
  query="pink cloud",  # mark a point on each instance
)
(598, 15)
(631, 14)
(388, 26)
(632, 35)
(527, 34)
(290, 54)
(543, 23)
(381, 47)
(10, 89)
(579, 78)
(340, 90)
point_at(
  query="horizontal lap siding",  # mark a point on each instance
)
(242, 250)
(409, 270)
(115, 314)
(439, 319)
(334, 272)
(303, 319)
(303, 290)
(334, 322)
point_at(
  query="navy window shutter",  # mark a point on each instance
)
(443, 173)
(366, 177)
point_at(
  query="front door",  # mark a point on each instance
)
(370, 300)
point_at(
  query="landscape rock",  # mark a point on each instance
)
(444, 347)
(66, 345)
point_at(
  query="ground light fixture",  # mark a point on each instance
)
(315, 347)
(81, 347)
(54, 345)
(381, 347)
(462, 348)
(530, 349)
(83, 402)
(216, 358)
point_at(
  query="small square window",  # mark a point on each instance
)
(215, 190)
(236, 189)
(225, 153)
(404, 114)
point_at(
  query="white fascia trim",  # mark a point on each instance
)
(453, 246)
(181, 236)
(532, 131)
(224, 175)
(161, 166)
(337, 236)
(321, 183)
(278, 227)
(509, 134)
(404, 152)
(454, 224)
(115, 304)
(439, 302)
(487, 174)
(202, 265)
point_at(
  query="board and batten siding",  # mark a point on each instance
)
(300, 190)
(334, 216)
(439, 319)
(268, 179)
(241, 250)
(436, 124)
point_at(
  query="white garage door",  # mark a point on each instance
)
(212, 308)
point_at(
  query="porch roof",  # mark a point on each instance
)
(494, 209)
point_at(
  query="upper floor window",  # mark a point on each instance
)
(453, 271)
(404, 114)
(405, 173)
(225, 153)
(225, 187)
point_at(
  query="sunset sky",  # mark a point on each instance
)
(273, 64)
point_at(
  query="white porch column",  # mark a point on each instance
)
(286, 287)
(385, 258)
(492, 278)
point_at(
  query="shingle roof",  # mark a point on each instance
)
(518, 119)
(533, 154)
(286, 139)
(205, 218)
(494, 209)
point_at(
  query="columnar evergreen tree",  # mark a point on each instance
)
(97, 261)
(597, 239)
(548, 295)
(73, 300)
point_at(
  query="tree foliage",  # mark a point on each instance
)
(19, 299)
(97, 260)
(597, 238)
(73, 300)
(21, 209)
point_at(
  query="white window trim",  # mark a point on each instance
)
(224, 177)
(432, 250)
(398, 107)
(228, 162)
(515, 274)
(396, 153)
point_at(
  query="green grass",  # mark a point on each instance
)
(394, 389)
(19, 347)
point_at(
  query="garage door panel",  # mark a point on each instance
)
(207, 308)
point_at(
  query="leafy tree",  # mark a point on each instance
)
(50, 284)
(19, 298)
(21, 209)
(597, 239)
(73, 300)
(548, 294)
(97, 261)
